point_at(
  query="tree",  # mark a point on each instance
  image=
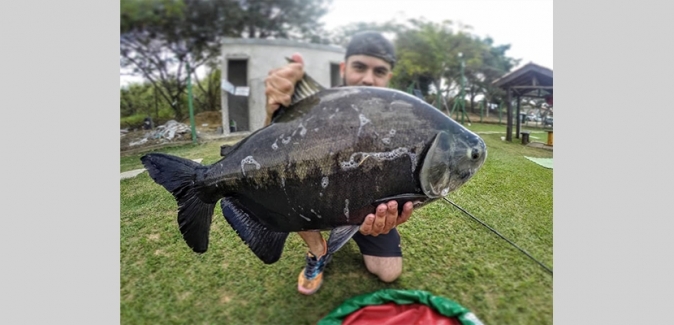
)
(136, 99)
(208, 93)
(291, 19)
(160, 38)
(428, 55)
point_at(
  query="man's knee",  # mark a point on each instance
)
(388, 269)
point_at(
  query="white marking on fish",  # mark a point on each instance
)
(380, 156)
(354, 107)
(331, 116)
(387, 140)
(444, 192)
(305, 218)
(283, 183)
(336, 95)
(346, 209)
(274, 145)
(316, 130)
(399, 104)
(363, 120)
(314, 212)
(249, 161)
(286, 140)
(324, 182)
(320, 194)
(303, 131)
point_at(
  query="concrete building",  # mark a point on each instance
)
(247, 62)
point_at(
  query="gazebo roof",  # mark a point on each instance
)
(531, 80)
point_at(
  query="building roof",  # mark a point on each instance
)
(282, 42)
(531, 80)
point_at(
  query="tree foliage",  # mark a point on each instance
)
(160, 38)
(428, 56)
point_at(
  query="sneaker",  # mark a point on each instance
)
(311, 277)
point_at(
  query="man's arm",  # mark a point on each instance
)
(280, 85)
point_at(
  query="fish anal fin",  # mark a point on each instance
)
(266, 244)
(339, 236)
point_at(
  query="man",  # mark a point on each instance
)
(369, 61)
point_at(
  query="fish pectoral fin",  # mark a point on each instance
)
(339, 236)
(266, 244)
(304, 88)
(402, 199)
(434, 174)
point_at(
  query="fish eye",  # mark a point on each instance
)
(475, 154)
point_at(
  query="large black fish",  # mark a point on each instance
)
(323, 164)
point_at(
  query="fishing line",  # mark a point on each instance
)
(496, 232)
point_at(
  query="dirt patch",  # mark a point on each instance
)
(210, 120)
(206, 124)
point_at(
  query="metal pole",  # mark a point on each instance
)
(463, 105)
(509, 118)
(189, 102)
(519, 119)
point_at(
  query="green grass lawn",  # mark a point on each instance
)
(445, 253)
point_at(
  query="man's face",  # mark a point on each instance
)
(363, 70)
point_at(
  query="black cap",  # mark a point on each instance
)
(372, 44)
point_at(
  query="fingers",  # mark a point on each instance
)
(391, 216)
(298, 58)
(379, 220)
(406, 214)
(366, 227)
(375, 224)
(385, 218)
(280, 84)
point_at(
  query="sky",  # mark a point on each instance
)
(524, 24)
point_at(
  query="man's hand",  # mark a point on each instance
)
(385, 218)
(280, 85)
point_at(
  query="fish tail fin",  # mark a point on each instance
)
(179, 176)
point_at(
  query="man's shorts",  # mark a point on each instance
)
(384, 245)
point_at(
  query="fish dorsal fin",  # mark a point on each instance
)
(304, 88)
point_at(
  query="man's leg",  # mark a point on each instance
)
(311, 277)
(382, 254)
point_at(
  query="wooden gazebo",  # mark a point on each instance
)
(531, 80)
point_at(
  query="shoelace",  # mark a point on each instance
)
(313, 265)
